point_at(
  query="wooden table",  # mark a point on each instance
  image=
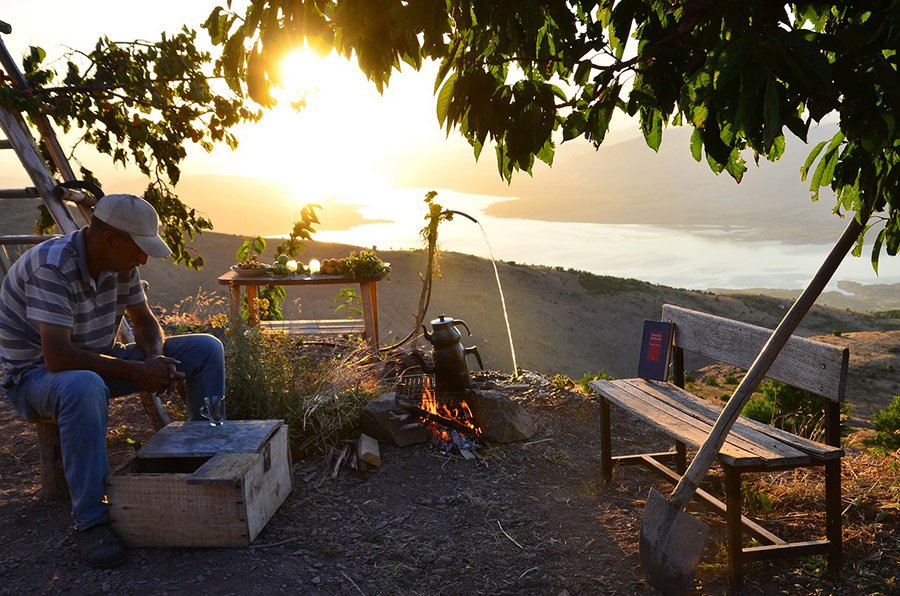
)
(368, 295)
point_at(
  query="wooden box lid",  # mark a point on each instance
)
(200, 439)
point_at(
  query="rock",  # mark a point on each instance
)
(501, 419)
(378, 421)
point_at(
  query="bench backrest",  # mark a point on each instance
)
(803, 363)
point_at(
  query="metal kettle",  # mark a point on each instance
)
(451, 373)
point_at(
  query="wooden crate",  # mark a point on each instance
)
(199, 485)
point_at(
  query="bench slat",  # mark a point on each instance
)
(745, 426)
(706, 413)
(804, 363)
(765, 450)
(667, 419)
(318, 327)
(687, 422)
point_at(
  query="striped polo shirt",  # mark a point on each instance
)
(50, 283)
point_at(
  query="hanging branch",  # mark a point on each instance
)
(436, 214)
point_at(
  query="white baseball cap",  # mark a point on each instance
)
(137, 218)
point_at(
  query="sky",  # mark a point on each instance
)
(349, 137)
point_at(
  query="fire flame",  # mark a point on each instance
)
(461, 413)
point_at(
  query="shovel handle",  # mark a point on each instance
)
(696, 472)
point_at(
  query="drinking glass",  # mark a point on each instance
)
(214, 410)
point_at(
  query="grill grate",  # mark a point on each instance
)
(411, 388)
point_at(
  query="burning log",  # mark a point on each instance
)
(428, 417)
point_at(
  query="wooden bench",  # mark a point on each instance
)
(338, 327)
(750, 446)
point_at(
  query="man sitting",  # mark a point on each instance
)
(60, 308)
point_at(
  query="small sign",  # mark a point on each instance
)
(656, 346)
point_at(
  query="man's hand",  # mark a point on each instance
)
(159, 374)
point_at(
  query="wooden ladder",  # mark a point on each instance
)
(55, 197)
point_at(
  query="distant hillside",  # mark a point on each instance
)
(629, 183)
(854, 296)
(562, 321)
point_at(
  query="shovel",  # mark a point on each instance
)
(671, 539)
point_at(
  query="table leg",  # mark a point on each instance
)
(252, 306)
(369, 295)
(234, 306)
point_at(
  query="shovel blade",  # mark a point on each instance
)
(672, 542)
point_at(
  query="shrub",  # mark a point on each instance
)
(320, 394)
(589, 376)
(561, 382)
(794, 410)
(711, 380)
(887, 425)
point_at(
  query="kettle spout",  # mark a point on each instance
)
(474, 350)
(425, 366)
(426, 333)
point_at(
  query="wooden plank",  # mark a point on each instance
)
(317, 327)
(24, 239)
(668, 419)
(683, 425)
(17, 132)
(53, 477)
(200, 439)
(367, 450)
(714, 503)
(761, 445)
(751, 429)
(224, 468)
(235, 278)
(783, 551)
(804, 363)
(268, 482)
(19, 193)
(193, 515)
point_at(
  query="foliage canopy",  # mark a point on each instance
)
(526, 75)
(139, 102)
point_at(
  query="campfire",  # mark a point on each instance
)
(445, 414)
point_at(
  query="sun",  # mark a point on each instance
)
(304, 72)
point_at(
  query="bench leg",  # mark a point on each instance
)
(733, 524)
(52, 475)
(833, 515)
(680, 457)
(605, 443)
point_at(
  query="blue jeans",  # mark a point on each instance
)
(78, 401)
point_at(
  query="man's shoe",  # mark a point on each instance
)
(101, 548)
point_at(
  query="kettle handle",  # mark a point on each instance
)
(474, 350)
(463, 323)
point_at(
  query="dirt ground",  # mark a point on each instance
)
(526, 518)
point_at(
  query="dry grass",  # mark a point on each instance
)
(870, 488)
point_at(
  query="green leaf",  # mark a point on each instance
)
(771, 114)
(804, 170)
(696, 145)
(574, 126)
(546, 153)
(652, 125)
(876, 248)
(825, 170)
(582, 72)
(736, 165)
(37, 54)
(443, 100)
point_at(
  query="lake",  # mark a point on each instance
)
(686, 257)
